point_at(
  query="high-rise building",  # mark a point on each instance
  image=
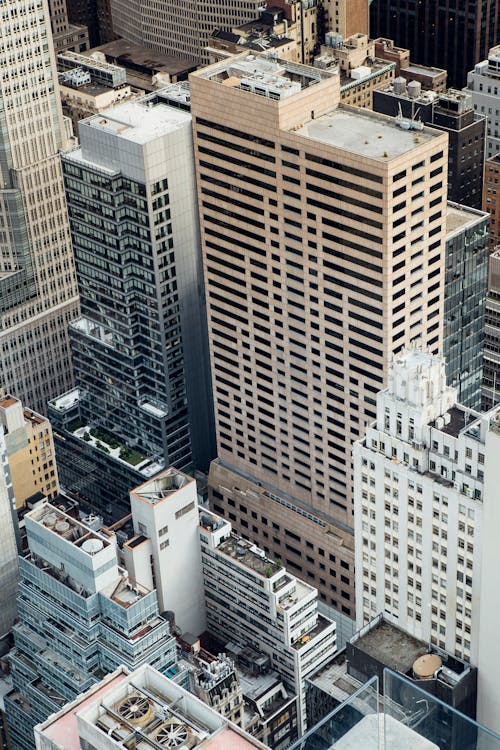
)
(8, 546)
(484, 83)
(465, 290)
(419, 496)
(323, 242)
(80, 615)
(491, 197)
(66, 36)
(491, 363)
(452, 112)
(38, 294)
(254, 602)
(454, 36)
(139, 349)
(142, 708)
(96, 16)
(30, 451)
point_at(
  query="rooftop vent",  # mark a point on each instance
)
(136, 709)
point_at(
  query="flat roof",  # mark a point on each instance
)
(139, 122)
(63, 728)
(364, 133)
(127, 55)
(422, 70)
(382, 730)
(458, 217)
(228, 739)
(390, 645)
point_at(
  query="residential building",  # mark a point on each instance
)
(360, 71)
(166, 531)
(347, 17)
(491, 364)
(454, 36)
(323, 245)
(80, 616)
(66, 36)
(491, 198)
(8, 547)
(37, 280)
(140, 346)
(29, 448)
(453, 113)
(484, 83)
(144, 706)
(89, 86)
(466, 284)
(419, 497)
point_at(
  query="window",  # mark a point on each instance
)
(186, 509)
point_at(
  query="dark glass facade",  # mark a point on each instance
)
(464, 307)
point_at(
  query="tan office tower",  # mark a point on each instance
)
(38, 293)
(323, 243)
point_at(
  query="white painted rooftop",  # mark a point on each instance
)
(140, 122)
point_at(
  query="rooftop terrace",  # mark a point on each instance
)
(249, 555)
(365, 133)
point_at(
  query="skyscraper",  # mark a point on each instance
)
(323, 242)
(140, 346)
(8, 546)
(484, 82)
(452, 35)
(38, 294)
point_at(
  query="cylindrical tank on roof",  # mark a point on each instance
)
(399, 85)
(414, 89)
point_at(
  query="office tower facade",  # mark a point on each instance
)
(30, 451)
(96, 16)
(80, 615)
(143, 706)
(37, 279)
(8, 546)
(66, 35)
(419, 497)
(453, 112)
(466, 284)
(140, 346)
(491, 363)
(254, 602)
(484, 83)
(491, 198)
(166, 526)
(454, 36)
(304, 316)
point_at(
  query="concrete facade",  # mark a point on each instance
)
(38, 293)
(304, 317)
(484, 83)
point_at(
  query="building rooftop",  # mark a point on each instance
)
(365, 133)
(375, 731)
(62, 728)
(66, 401)
(258, 74)
(249, 555)
(151, 711)
(139, 122)
(419, 70)
(390, 645)
(67, 527)
(162, 486)
(454, 420)
(458, 217)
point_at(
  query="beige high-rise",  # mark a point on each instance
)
(38, 292)
(323, 243)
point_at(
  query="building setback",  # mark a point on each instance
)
(80, 616)
(452, 35)
(38, 294)
(491, 198)
(323, 245)
(140, 346)
(419, 493)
